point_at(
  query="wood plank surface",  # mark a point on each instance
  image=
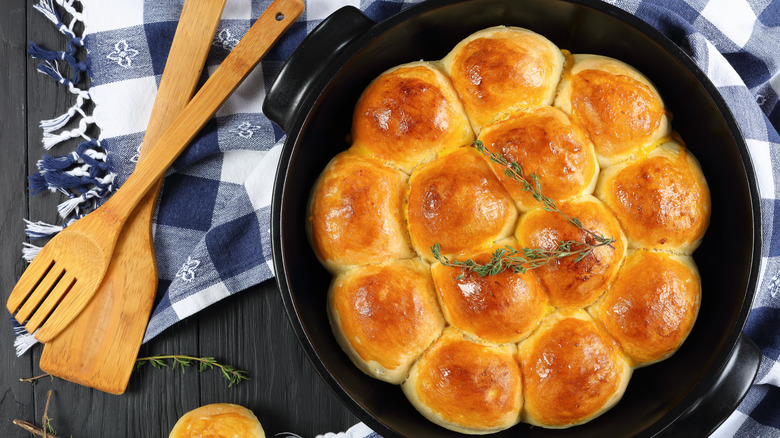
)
(16, 400)
(249, 331)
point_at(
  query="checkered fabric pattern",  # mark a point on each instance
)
(212, 223)
(212, 227)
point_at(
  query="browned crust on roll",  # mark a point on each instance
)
(572, 371)
(457, 202)
(499, 308)
(504, 69)
(570, 282)
(409, 115)
(356, 213)
(652, 305)
(618, 107)
(555, 346)
(662, 200)
(466, 385)
(384, 316)
(546, 143)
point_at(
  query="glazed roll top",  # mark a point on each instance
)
(503, 69)
(501, 308)
(578, 279)
(409, 115)
(457, 202)
(615, 104)
(385, 316)
(662, 199)
(546, 143)
(494, 298)
(466, 385)
(572, 370)
(651, 307)
(356, 213)
(218, 420)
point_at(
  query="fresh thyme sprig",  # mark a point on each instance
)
(519, 261)
(534, 187)
(233, 375)
(205, 363)
(523, 259)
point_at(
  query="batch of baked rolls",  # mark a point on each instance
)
(553, 346)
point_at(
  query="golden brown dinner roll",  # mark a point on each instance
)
(457, 202)
(503, 69)
(477, 352)
(615, 104)
(467, 385)
(652, 305)
(356, 213)
(570, 282)
(662, 200)
(573, 371)
(384, 316)
(499, 308)
(543, 142)
(218, 420)
(408, 115)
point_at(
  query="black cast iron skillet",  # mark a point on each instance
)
(313, 99)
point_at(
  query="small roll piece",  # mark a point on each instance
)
(500, 308)
(466, 385)
(662, 199)
(356, 213)
(385, 316)
(652, 306)
(218, 420)
(546, 143)
(573, 371)
(503, 69)
(616, 104)
(409, 115)
(457, 202)
(570, 282)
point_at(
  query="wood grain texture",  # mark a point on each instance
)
(98, 349)
(16, 399)
(249, 330)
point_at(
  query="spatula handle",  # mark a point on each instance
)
(279, 16)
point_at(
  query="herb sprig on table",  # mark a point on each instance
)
(233, 376)
(523, 259)
(204, 363)
(45, 430)
(230, 373)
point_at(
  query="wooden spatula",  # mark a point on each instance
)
(69, 269)
(98, 349)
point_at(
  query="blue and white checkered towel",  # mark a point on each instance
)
(212, 223)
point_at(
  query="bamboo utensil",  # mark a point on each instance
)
(69, 269)
(98, 349)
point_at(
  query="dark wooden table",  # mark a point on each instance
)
(249, 331)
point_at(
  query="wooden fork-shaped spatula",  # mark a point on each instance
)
(69, 269)
(99, 347)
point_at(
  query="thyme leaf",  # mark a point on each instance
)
(230, 373)
(523, 259)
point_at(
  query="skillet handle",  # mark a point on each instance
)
(723, 397)
(303, 70)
